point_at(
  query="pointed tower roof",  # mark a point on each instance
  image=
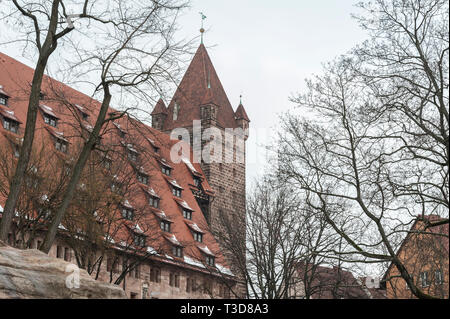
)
(160, 108)
(240, 113)
(200, 84)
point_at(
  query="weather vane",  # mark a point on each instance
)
(202, 30)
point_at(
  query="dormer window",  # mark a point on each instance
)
(107, 163)
(52, 121)
(166, 171)
(116, 187)
(3, 97)
(176, 191)
(61, 145)
(177, 251)
(3, 100)
(127, 211)
(197, 182)
(198, 237)
(50, 118)
(210, 261)
(165, 226)
(132, 153)
(153, 201)
(83, 114)
(10, 125)
(142, 178)
(139, 240)
(187, 214)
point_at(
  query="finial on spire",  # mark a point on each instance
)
(202, 30)
(240, 99)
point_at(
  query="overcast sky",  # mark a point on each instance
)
(265, 49)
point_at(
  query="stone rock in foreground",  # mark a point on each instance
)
(33, 274)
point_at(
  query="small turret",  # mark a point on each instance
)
(159, 115)
(242, 119)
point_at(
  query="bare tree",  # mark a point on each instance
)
(280, 233)
(42, 25)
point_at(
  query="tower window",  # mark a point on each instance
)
(176, 110)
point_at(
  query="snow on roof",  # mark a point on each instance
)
(1, 209)
(194, 227)
(184, 205)
(206, 250)
(151, 250)
(193, 262)
(127, 204)
(162, 215)
(138, 229)
(175, 184)
(224, 270)
(189, 164)
(62, 227)
(173, 239)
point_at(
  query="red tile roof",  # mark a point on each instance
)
(15, 78)
(241, 114)
(193, 91)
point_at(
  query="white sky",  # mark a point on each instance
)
(264, 50)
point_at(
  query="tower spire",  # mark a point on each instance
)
(202, 30)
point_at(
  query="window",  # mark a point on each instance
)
(439, 279)
(187, 214)
(59, 252)
(153, 201)
(424, 279)
(166, 170)
(67, 256)
(188, 284)
(10, 125)
(165, 226)
(127, 213)
(174, 280)
(155, 275)
(142, 178)
(198, 237)
(197, 182)
(137, 272)
(116, 186)
(176, 191)
(176, 110)
(16, 149)
(177, 251)
(107, 163)
(139, 240)
(210, 261)
(207, 287)
(132, 155)
(3, 99)
(61, 145)
(50, 120)
(133, 295)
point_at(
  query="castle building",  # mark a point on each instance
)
(139, 219)
(201, 97)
